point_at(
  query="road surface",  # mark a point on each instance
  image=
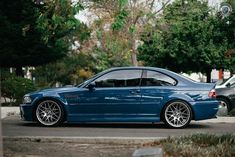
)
(13, 126)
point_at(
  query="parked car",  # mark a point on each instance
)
(223, 83)
(225, 91)
(127, 94)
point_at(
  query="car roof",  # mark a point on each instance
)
(141, 68)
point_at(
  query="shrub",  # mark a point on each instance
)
(15, 88)
(199, 145)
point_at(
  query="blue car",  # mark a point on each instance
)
(126, 94)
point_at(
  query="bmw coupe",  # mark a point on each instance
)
(126, 94)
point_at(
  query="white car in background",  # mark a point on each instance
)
(224, 83)
(225, 93)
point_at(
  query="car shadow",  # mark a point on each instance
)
(159, 125)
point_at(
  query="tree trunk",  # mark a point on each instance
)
(133, 52)
(134, 58)
(208, 76)
(19, 72)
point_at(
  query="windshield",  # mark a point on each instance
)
(223, 81)
(87, 80)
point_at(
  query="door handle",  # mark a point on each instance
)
(134, 91)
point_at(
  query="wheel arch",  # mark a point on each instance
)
(173, 100)
(227, 99)
(57, 100)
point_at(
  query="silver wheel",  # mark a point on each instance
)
(177, 114)
(49, 113)
(223, 108)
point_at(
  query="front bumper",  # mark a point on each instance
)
(26, 112)
(205, 109)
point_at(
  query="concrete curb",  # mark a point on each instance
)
(219, 120)
(9, 111)
(86, 140)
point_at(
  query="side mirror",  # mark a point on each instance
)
(91, 86)
(228, 85)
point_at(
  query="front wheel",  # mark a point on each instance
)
(49, 113)
(177, 114)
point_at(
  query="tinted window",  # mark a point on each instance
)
(119, 78)
(153, 78)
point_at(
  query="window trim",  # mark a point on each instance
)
(143, 70)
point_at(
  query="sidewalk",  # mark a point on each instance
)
(8, 111)
(219, 120)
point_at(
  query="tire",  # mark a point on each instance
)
(177, 114)
(224, 107)
(49, 113)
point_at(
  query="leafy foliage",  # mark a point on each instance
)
(187, 38)
(19, 40)
(121, 17)
(15, 87)
(228, 28)
(123, 21)
(33, 34)
(70, 70)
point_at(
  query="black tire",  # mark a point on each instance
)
(177, 114)
(224, 107)
(49, 113)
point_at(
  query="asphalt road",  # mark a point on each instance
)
(13, 126)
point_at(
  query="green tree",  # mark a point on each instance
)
(70, 70)
(118, 27)
(229, 31)
(35, 34)
(14, 87)
(188, 38)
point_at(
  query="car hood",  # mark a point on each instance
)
(55, 90)
(60, 89)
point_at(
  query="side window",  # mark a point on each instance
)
(119, 78)
(153, 78)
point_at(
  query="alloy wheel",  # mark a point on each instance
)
(223, 108)
(48, 113)
(177, 114)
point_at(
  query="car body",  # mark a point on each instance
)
(225, 93)
(125, 94)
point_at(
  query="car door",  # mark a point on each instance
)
(115, 95)
(156, 87)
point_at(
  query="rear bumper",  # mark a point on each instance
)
(205, 109)
(26, 111)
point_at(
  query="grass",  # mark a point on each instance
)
(198, 145)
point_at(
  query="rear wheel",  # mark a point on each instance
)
(224, 107)
(49, 113)
(177, 114)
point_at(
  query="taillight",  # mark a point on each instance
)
(212, 94)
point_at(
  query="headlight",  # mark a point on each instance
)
(27, 100)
